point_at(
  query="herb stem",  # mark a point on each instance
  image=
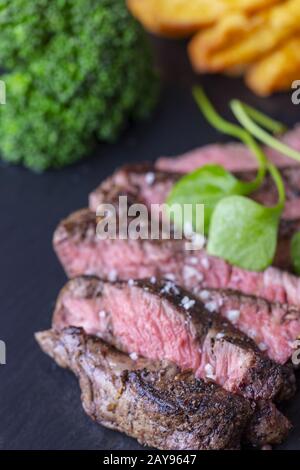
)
(235, 131)
(279, 185)
(272, 125)
(240, 112)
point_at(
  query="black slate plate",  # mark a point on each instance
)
(40, 404)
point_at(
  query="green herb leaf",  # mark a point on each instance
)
(244, 233)
(295, 252)
(239, 230)
(207, 185)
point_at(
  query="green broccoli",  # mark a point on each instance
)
(76, 71)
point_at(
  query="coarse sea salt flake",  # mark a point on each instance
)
(204, 295)
(220, 335)
(263, 346)
(150, 178)
(233, 315)
(187, 303)
(209, 371)
(134, 356)
(153, 280)
(102, 314)
(211, 306)
(131, 282)
(190, 304)
(112, 275)
(169, 287)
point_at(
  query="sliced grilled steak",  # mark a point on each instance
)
(273, 327)
(152, 186)
(81, 252)
(154, 403)
(233, 156)
(148, 186)
(159, 320)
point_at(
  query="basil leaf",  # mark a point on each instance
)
(244, 233)
(207, 185)
(295, 252)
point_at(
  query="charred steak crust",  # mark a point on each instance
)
(207, 332)
(267, 425)
(158, 405)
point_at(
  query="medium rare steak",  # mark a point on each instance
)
(273, 327)
(154, 403)
(152, 186)
(81, 252)
(159, 320)
(146, 185)
(233, 156)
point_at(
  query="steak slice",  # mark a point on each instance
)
(233, 156)
(273, 327)
(146, 185)
(159, 320)
(154, 403)
(82, 252)
(152, 186)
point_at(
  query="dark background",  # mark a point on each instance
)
(40, 404)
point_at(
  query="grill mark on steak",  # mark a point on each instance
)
(153, 321)
(133, 180)
(152, 402)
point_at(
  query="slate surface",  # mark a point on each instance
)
(39, 403)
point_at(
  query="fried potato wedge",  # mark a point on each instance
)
(239, 39)
(277, 71)
(180, 18)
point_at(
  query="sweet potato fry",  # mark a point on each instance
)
(239, 39)
(277, 71)
(180, 18)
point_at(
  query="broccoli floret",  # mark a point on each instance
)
(76, 71)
